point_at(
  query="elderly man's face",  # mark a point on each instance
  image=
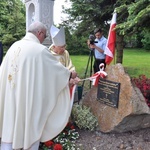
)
(60, 49)
(41, 35)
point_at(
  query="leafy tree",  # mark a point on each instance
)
(76, 45)
(136, 20)
(80, 22)
(146, 39)
(85, 15)
(12, 18)
(138, 17)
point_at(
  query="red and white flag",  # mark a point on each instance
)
(111, 42)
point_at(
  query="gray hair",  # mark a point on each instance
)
(36, 26)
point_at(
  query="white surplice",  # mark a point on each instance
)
(34, 94)
(64, 59)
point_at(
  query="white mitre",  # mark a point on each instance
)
(58, 36)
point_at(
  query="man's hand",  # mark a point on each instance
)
(92, 46)
(74, 81)
(73, 74)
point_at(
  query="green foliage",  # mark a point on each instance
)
(8, 38)
(67, 140)
(146, 39)
(77, 46)
(138, 16)
(84, 15)
(132, 17)
(134, 40)
(83, 117)
(12, 20)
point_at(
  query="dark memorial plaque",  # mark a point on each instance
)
(108, 92)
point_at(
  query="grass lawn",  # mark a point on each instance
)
(135, 62)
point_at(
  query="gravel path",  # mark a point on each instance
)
(96, 140)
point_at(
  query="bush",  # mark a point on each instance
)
(143, 83)
(146, 40)
(83, 118)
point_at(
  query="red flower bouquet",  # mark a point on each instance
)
(49, 143)
(65, 140)
(58, 147)
(143, 83)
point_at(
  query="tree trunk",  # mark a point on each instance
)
(119, 48)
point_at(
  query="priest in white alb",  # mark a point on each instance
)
(34, 93)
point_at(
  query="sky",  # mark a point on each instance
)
(58, 10)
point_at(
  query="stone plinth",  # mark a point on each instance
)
(40, 10)
(132, 113)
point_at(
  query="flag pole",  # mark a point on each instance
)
(114, 57)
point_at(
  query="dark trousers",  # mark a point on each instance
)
(97, 63)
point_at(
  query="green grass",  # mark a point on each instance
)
(81, 62)
(135, 62)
